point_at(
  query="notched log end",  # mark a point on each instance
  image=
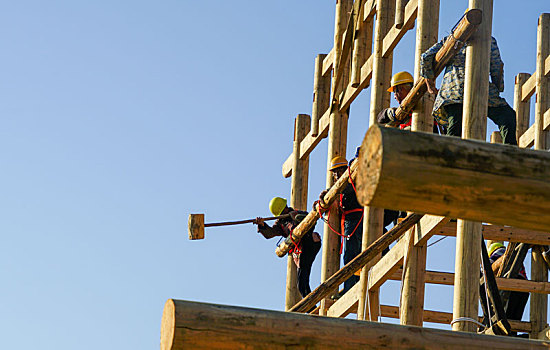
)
(474, 16)
(370, 165)
(168, 325)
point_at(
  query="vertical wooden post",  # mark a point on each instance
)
(412, 299)
(321, 94)
(362, 50)
(337, 139)
(474, 126)
(298, 200)
(539, 303)
(543, 98)
(380, 99)
(522, 108)
(400, 13)
(496, 137)
(539, 272)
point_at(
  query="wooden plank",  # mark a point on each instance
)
(396, 34)
(528, 88)
(309, 143)
(428, 226)
(369, 10)
(389, 263)
(447, 317)
(476, 180)
(327, 62)
(503, 233)
(522, 108)
(193, 325)
(511, 284)
(357, 263)
(527, 140)
(351, 93)
(346, 304)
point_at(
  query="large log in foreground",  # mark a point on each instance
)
(192, 325)
(452, 177)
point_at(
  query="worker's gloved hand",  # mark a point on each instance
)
(259, 221)
(293, 215)
(322, 195)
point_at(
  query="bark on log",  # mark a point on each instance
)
(454, 43)
(447, 176)
(313, 215)
(193, 325)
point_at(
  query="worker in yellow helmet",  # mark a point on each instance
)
(517, 300)
(401, 85)
(308, 247)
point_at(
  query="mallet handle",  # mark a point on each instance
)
(227, 223)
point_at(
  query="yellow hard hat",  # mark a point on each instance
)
(337, 162)
(494, 246)
(277, 205)
(400, 78)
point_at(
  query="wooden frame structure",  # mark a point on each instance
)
(392, 19)
(379, 26)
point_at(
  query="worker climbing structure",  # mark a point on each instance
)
(506, 186)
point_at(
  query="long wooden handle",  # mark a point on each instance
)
(228, 223)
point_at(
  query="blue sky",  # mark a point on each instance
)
(120, 118)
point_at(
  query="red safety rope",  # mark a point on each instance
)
(321, 210)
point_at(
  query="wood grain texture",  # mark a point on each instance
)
(193, 325)
(447, 176)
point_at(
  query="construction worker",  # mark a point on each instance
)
(447, 109)
(401, 85)
(308, 247)
(517, 300)
(351, 217)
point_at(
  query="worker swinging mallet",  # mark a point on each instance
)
(196, 224)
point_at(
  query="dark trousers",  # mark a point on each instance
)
(352, 245)
(503, 116)
(309, 252)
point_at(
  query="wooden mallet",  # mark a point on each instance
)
(197, 225)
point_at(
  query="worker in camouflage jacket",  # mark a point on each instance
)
(308, 247)
(447, 109)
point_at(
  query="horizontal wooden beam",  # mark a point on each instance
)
(193, 325)
(396, 34)
(448, 176)
(511, 284)
(503, 233)
(447, 317)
